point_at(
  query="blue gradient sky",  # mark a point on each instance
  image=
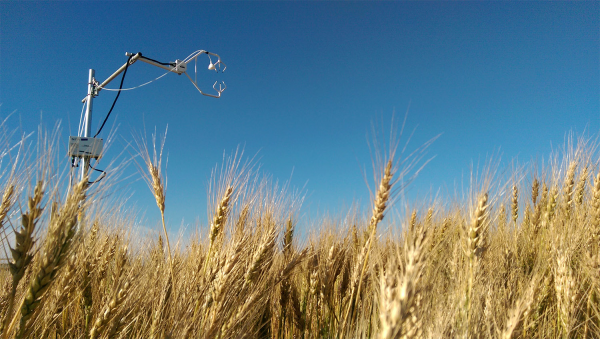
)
(306, 79)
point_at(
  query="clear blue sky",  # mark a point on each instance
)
(306, 79)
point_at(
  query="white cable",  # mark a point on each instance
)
(79, 130)
(129, 89)
(194, 55)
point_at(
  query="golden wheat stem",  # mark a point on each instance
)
(475, 239)
(7, 203)
(383, 194)
(52, 256)
(261, 257)
(516, 313)
(515, 204)
(218, 223)
(400, 294)
(23, 237)
(162, 214)
(596, 213)
(108, 311)
(568, 188)
(159, 195)
(580, 190)
(535, 188)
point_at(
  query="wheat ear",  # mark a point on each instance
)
(220, 216)
(399, 294)
(218, 222)
(285, 289)
(515, 204)
(539, 207)
(332, 270)
(62, 293)
(568, 188)
(53, 254)
(262, 257)
(550, 207)
(224, 276)
(502, 218)
(92, 263)
(159, 195)
(5, 207)
(7, 203)
(475, 240)
(24, 236)
(224, 280)
(383, 194)
(157, 314)
(595, 224)
(109, 311)
(580, 189)
(475, 236)
(21, 254)
(516, 313)
(156, 183)
(535, 188)
(564, 285)
(119, 294)
(288, 238)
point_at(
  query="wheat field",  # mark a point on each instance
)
(514, 258)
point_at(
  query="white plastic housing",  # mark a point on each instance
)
(85, 147)
(180, 66)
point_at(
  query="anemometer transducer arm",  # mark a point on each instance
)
(178, 67)
(86, 147)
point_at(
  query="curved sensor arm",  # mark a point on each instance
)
(218, 66)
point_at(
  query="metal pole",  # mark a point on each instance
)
(87, 131)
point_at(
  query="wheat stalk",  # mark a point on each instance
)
(24, 236)
(515, 314)
(550, 207)
(475, 240)
(220, 216)
(535, 188)
(475, 234)
(119, 294)
(383, 194)
(225, 275)
(7, 203)
(564, 284)
(288, 238)
(515, 204)
(56, 247)
(502, 218)
(568, 188)
(66, 285)
(400, 293)
(155, 182)
(261, 258)
(580, 190)
(595, 213)
(21, 253)
(158, 313)
(218, 223)
(108, 312)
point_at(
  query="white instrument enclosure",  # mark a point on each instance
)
(85, 147)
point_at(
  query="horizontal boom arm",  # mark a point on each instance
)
(178, 67)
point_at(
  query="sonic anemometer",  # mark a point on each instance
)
(84, 147)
